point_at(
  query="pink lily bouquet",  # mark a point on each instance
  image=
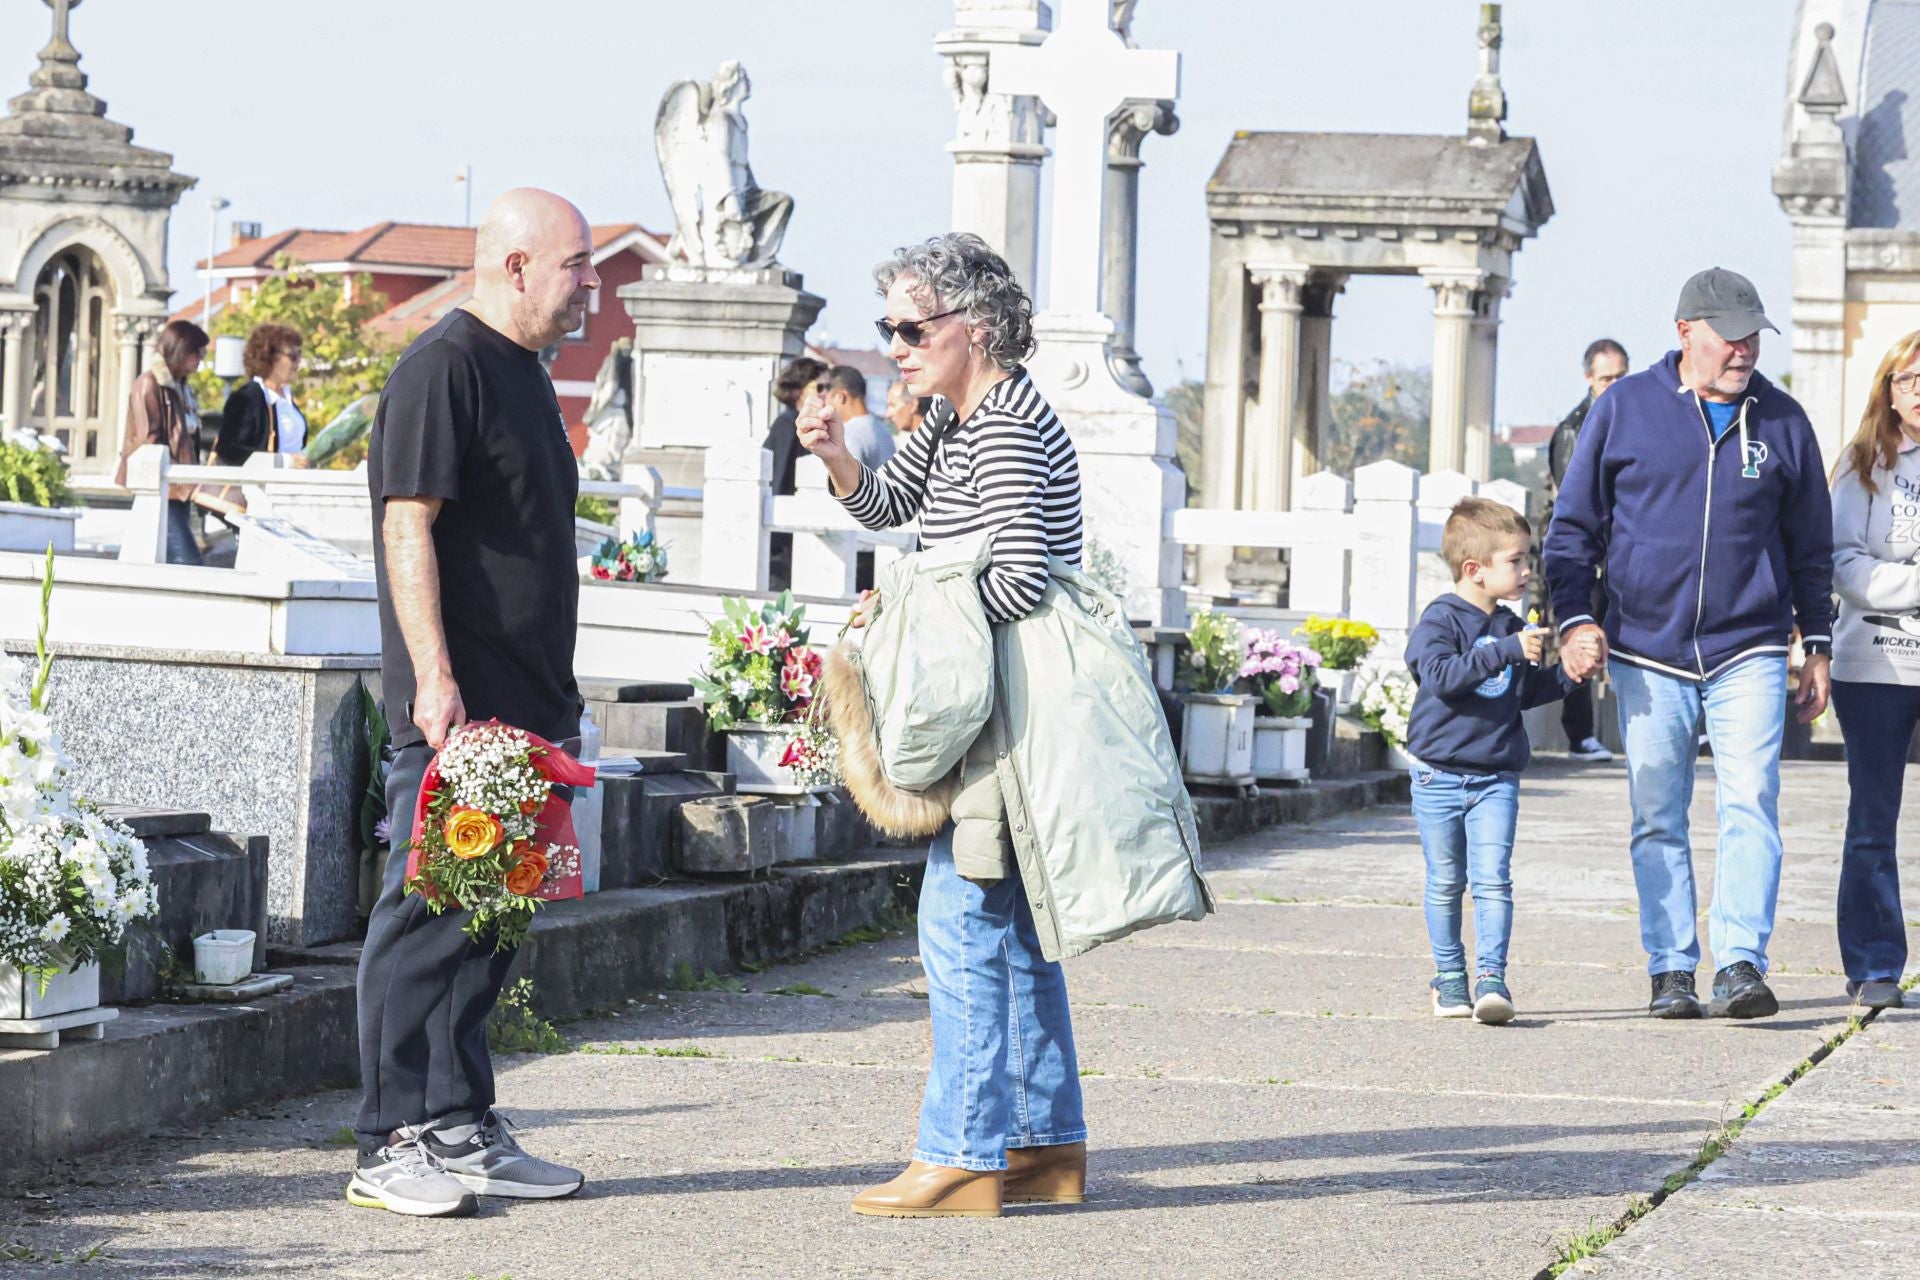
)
(760, 668)
(1283, 674)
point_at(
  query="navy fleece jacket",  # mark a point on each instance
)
(1713, 550)
(1474, 681)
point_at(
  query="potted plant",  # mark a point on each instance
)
(36, 507)
(1385, 705)
(1283, 676)
(71, 879)
(1342, 643)
(1216, 729)
(641, 558)
(758, 686)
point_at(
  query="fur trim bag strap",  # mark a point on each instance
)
(910, 699)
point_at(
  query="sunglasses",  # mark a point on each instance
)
(912, 332)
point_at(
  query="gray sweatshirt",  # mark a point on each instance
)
(1876, 538)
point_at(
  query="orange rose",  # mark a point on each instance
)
(530, 807)
(527, 873)
(471, 833)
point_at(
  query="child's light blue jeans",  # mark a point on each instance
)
(1466, 832)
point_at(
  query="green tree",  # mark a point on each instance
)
(1380, 410)
(343, 359)
(1187, 400)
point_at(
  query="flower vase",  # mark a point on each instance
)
(1216, 737)
(1280, 748)
(1397, 757)
(1345, 686)
(753, 758)
(22, 999)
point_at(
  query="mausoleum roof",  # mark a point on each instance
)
(57, 134)
(1396, 177)
(1885, 186)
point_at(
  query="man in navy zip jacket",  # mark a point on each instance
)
(1699, 486)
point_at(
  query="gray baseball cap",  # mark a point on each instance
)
(1726, 300)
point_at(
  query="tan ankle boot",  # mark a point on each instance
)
(1046, 1175)
(934, 1191)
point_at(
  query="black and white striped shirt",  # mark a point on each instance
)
(1008, 470)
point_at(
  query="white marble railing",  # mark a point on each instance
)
(329, 504)
(740, 513)
(1351, 545)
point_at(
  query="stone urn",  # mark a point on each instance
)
(21, 998)
(753, 758)
(1280, 748)
(1216, 737)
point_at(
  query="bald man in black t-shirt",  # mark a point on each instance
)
(474, 483)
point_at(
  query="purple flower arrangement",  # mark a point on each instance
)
(1283, 674)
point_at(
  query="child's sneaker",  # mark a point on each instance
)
(1492, 1002)
(1450, 996)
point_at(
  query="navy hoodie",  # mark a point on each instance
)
(1474, 681)
(1713, 551)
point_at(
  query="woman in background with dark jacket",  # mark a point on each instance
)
(261, 414)
(162, 410)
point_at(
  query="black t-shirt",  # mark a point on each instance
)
(469, 416)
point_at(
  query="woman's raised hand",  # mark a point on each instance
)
(821, 432)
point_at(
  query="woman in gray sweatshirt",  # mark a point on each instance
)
(1876, 664)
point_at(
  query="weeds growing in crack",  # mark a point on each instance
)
(686, 979)
(1715, 1145)
(648, 1051)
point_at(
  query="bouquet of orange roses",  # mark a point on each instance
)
(490, 835)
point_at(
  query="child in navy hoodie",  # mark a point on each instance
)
(1478, 667)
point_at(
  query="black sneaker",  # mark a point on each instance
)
(1673, 996)
(1877, 993)
(1740, 992)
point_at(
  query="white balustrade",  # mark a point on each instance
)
(1350, 545)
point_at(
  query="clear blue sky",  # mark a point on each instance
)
(1659, 123)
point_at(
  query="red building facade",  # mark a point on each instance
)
(426, 271)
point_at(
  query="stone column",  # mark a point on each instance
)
(128, 333)
(1483, 348)
(1121, 230)
(1316, 370)
(1268, 482)
(14, 328)
(1232, 380)
(1811, 182)
(1453, 317)
(999, 139)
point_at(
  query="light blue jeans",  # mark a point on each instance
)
(1466, 832)
(1004, 1071)
(1744, 711)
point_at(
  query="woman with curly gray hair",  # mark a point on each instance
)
(1001, 1120)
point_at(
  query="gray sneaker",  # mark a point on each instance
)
(403, 1178)
(488, 1160)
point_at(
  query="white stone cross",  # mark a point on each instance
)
(60, 10)
(1083, 72)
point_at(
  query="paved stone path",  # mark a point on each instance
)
(1268, 1094)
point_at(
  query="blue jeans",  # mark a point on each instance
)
(1878, 721)
(1744, 710)
(182, 546)
(1466, 832)
(1004, 1071)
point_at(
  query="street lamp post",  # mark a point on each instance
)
(214, 205)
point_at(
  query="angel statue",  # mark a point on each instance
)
(609, 417)
(724, 218)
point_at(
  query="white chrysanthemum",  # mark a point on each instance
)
(56, 929)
